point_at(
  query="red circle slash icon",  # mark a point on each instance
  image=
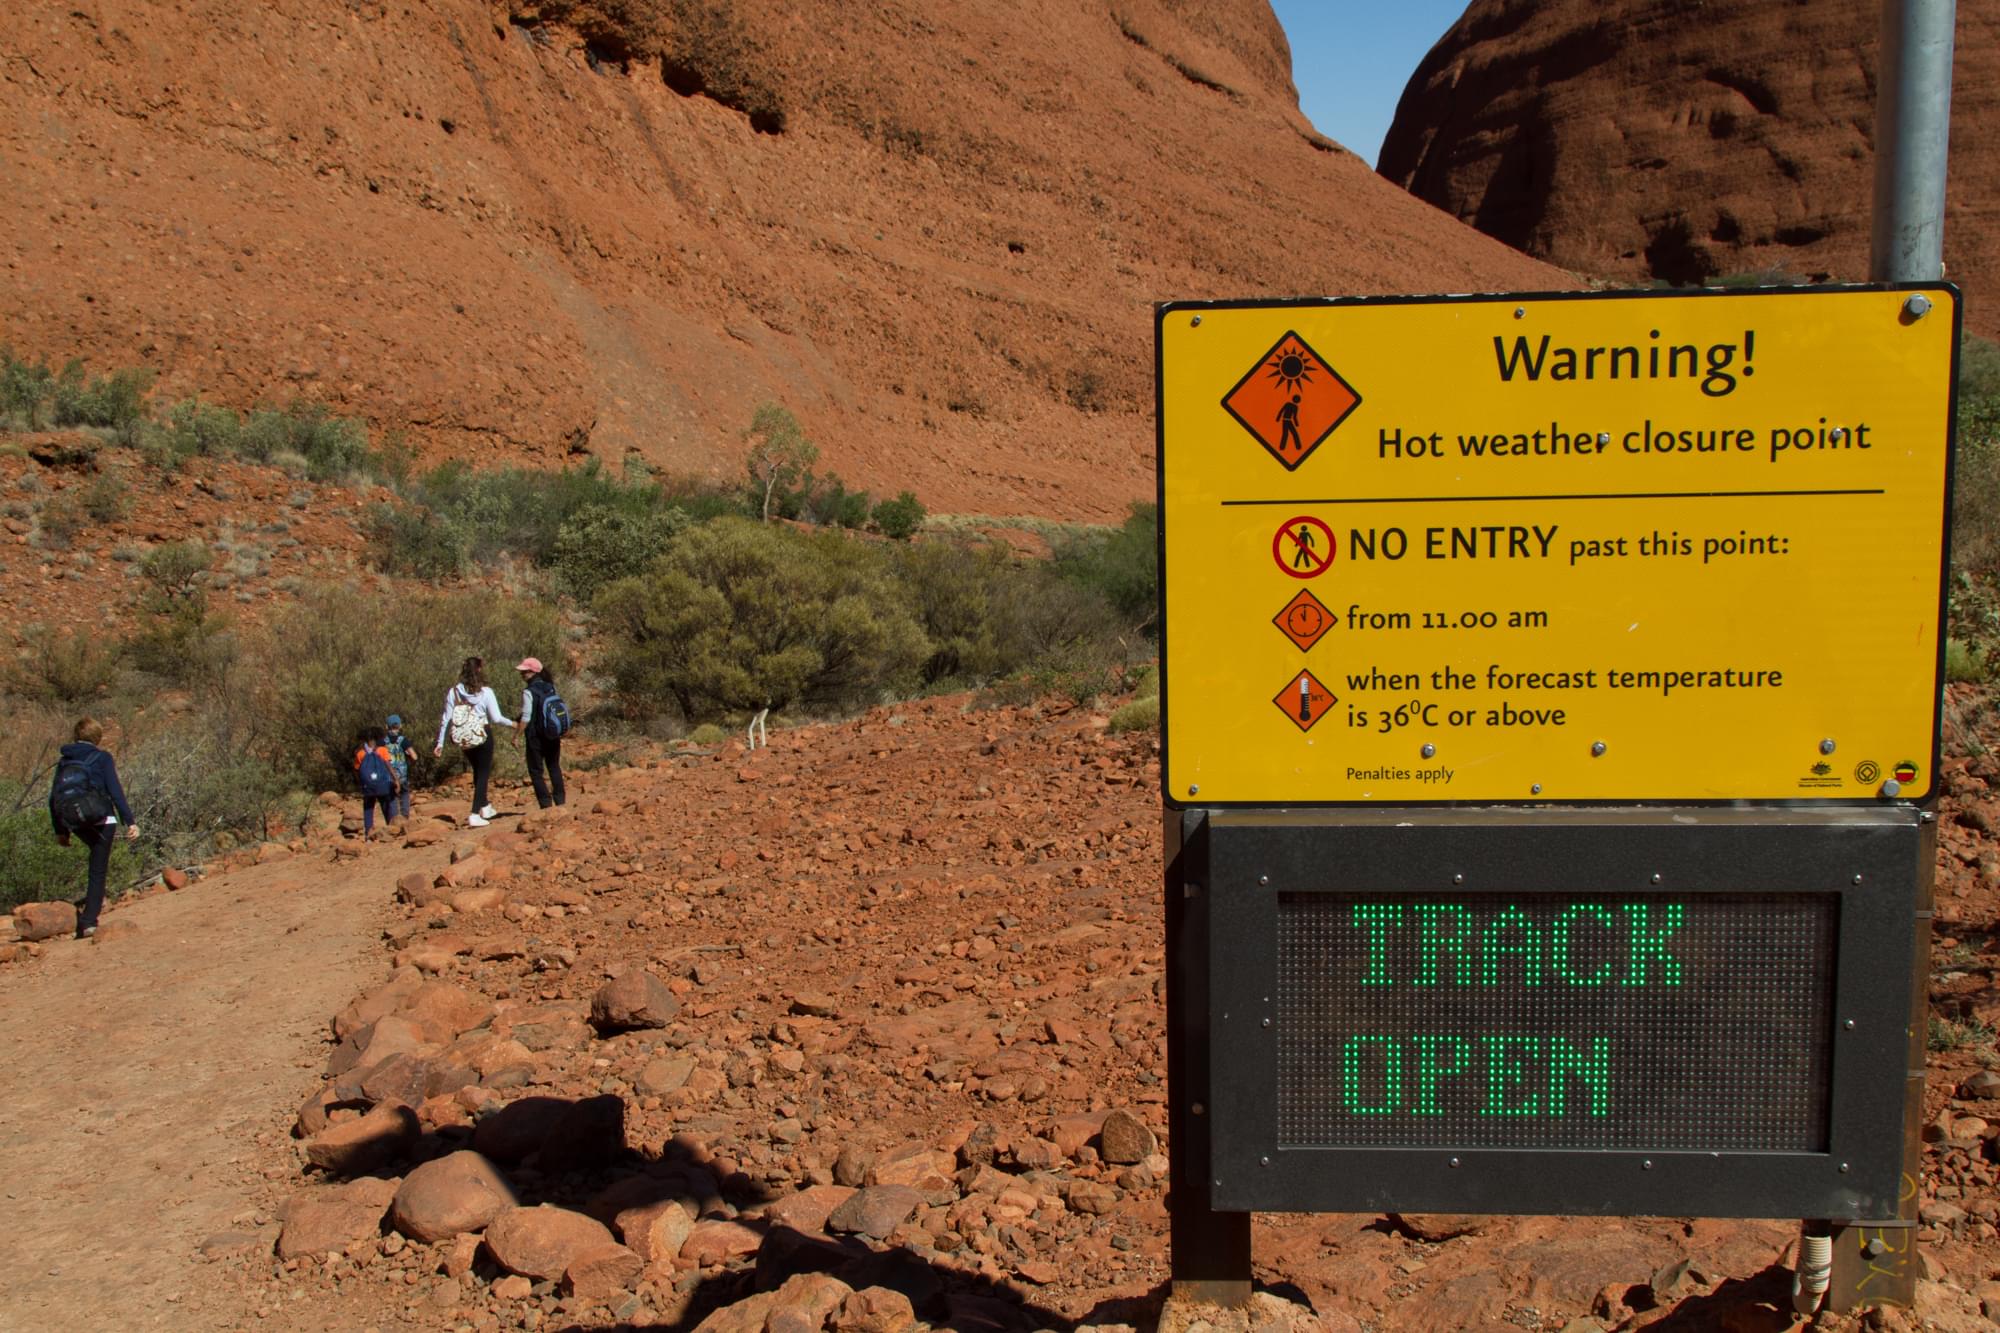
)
(1303, 547)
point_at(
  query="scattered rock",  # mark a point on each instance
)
(44, 921)
(655, 1232)
(600, 1271)
(456, 1193)
(875, 1211)
(316, 1226)
(541, 1242)
(1124, 1139)
(361, 1145)
(718, 1241)
(875, 1310)
(636, 1000)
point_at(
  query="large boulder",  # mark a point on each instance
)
(448, 1196)
(44, 921)
(541, 1242)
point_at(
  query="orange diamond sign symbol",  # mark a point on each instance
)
(1291, 400)
(1304, 619)
(1304, 700)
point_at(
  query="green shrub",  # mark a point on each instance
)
(174, 569)
(1139, 715)
(66, 668)
(25, 388)
(1122, 565)
(899, 518)
(1963, 662)
(707, 734)
(104, 498)
(738, 616)
(62, 519)
(197, 429)
(518, 512)
(114, 402)
(186, 646)
(601, 544)
(339, 660)
(334, 448)
(403, 539)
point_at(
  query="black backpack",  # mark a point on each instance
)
(78, 801)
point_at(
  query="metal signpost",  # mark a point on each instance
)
(1550, 726)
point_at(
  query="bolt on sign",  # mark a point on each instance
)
(1576, 547)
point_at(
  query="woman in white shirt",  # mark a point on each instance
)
(470, 713)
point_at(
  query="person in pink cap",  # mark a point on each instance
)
(544, 722)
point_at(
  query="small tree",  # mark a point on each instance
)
(779, 454)
(899, 518)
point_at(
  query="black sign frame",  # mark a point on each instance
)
(1240, 861)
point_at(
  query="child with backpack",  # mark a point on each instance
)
(400, 749)
(545, 721)
(372, 766)
(85, 801)
(469, 708)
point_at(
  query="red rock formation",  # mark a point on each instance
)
(521, 230)
(1685, 139)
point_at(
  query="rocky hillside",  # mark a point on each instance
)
(527, 230)
(1682, 140)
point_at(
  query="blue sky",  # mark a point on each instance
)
(1351, 58)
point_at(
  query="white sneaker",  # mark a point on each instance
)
(476, 821)
(488, 812)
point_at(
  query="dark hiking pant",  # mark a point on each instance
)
(480, 757)
(99, 838)
(545, 753)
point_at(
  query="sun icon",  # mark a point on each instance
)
(1290, 367)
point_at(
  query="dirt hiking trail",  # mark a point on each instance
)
(146, 1080)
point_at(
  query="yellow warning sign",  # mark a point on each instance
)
(1592, 547)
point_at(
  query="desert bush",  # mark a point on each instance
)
(899, 518)
(197, 429)
(340, 659)
(66, 668)
(707, 734)
(403, 539)
(334, 448)
(1122, 565)
(517, 512)
(600, 544)
(105, 498)
(25, 388)
(952, 589)
(174, 569)
(61, 520)
(1963, 661)
(738, 616)
(114, 402)
(1138, 715)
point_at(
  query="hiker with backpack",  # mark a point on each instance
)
(544, 721)
(85, 801)
(375, 769)
(470, 710)
(400, 749)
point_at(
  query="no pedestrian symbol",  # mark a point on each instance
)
(1291, 400)
(1304, 700)
(1303, 547)
(1304, 620)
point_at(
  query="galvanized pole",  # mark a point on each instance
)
(1875, 1260)
(1912, 129)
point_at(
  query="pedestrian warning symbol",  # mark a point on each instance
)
(1304, 620)
(1303, 547)
(1291, 400)
(1304, 700)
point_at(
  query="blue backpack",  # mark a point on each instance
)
(376, 777)
(552, 714)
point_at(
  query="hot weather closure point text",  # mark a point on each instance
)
(1571, 548)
